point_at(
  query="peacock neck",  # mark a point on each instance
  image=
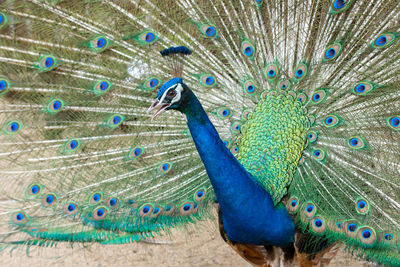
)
(248, 211)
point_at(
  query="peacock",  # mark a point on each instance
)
(121, 120)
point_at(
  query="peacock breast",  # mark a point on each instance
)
(273, 140)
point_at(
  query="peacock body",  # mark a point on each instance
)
(291, 118)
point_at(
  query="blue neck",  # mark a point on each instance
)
(248, 211)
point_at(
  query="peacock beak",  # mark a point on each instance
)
(162, 107)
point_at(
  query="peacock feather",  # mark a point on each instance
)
(285, 113)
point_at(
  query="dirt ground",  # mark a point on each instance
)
(200, 246)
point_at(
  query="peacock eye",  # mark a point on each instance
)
(171, 93)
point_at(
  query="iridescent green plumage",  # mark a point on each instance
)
(272, 142)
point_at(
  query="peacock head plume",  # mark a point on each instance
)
(173, 94)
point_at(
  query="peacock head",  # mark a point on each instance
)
(173, 94)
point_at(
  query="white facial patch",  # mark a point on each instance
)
(178, 88)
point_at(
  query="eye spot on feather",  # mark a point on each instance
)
(248, 49)
(55, 106)
(199, 195)
(300, 72)
(114, 121)
(70, 146)
(98, 43)
(302, 98)
(208, 80)
(366, 235)
(249, 87)
(234, 150)
(101, 87)
(113, 202)
(224, 112)
(19, 217)
(99, 213)
(319, 96)
(284, 85)
(151, 83)
(146, 210)
(236, 127)
(356, 142)
(135, 153)
(96, 198)
(309, 210)
(70, 208)
(388, 237)
(73, 144)
(165, 167)
(49, 200)
(318, 225)
(12, 127)
(293, 205)
(271, 72)
(363, 88)
(312, 136)
(350, 228)
(319, 155)
(186, 208)
(209, 31)
(362, 206)
(331, 121)
(384, 40)
(332, 52)
(46, 63)
(34, 189)
(394, 122)
(146, 37)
